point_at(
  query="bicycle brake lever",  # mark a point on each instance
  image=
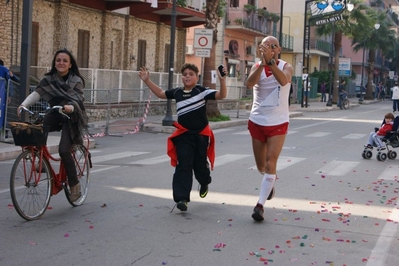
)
(60, 110)
(23, 108)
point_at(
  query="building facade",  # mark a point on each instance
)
(101, 34)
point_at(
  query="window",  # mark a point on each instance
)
(167, 58)
(234, 3)
(251, 2)
(35, 44)
(141, 53)
(83, 48)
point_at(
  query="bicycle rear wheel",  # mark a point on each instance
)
(81, 157)
(30, 188)
(345, 104)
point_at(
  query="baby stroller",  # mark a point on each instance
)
(391, 141)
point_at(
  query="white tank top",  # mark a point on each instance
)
(270, 102)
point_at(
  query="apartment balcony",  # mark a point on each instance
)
(248, 22)
(287, 41)
(377, 4)
(192, 14)
(393, 16)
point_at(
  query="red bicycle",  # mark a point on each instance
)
(33, 179)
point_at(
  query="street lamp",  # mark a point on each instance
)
(306, 45)
(281, 25)
(168, 119)
(376, 26)
(330, 59)
(306, 37)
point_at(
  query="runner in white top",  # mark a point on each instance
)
(270, 80)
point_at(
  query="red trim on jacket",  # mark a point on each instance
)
(171, 149)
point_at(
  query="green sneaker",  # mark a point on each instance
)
(203, 191)
(182, 205)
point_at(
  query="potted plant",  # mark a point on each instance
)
(250, 8)
(263, 13)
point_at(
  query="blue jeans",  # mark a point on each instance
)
(342, 95)
(395, 105)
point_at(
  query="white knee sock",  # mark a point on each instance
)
(266, 187)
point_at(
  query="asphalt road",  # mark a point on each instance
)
(332, 207)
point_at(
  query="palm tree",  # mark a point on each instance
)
(343, 27)
(393, 56)
(211, 21)
(377, 34)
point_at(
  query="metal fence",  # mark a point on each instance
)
(119, 93)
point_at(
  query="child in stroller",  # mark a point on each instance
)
(381, 138)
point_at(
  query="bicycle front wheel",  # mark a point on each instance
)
(345, 104)
(82, 163)
(30, 187)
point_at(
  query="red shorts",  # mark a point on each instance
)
(261, 133)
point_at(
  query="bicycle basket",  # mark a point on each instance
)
(26, 134)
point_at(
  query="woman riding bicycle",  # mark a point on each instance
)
(63, 85)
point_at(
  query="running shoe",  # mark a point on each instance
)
(182, 205)
(257, 215)
(271, 195)
(203, 191)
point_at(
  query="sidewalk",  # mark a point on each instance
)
(154, 125)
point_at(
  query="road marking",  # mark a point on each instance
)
(318, 134)
(220, 130)
(104, 169)
(228, 158)
(291, 132)
(153, 160)
(246, 132)
(354, 136)
(384, 242)
(115, 156)
(390, 173)
(337, 168)
(284, 162)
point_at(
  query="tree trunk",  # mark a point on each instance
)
(369, 91)
(211, 21)
(337, 49)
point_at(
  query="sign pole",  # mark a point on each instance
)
(202, 70)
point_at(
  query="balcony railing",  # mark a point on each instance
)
(248, 20)
(287, 41)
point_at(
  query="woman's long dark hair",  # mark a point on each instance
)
(73, 70)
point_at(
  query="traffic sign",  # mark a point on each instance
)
(203, 38)
(203, 52)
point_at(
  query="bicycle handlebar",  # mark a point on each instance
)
(56, 108)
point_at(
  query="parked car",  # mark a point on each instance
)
(358, 91)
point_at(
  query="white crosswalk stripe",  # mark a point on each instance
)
(337, 168)
(228, 158)
(284, 162)
(354, 136)
(246, 132)
(390, 173)
(220, 130)
(114, 156)
(317, 134)
(153, 160)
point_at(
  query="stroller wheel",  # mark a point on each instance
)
(392, 155)
(381, 156)
(368, 154)
(364, 155)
